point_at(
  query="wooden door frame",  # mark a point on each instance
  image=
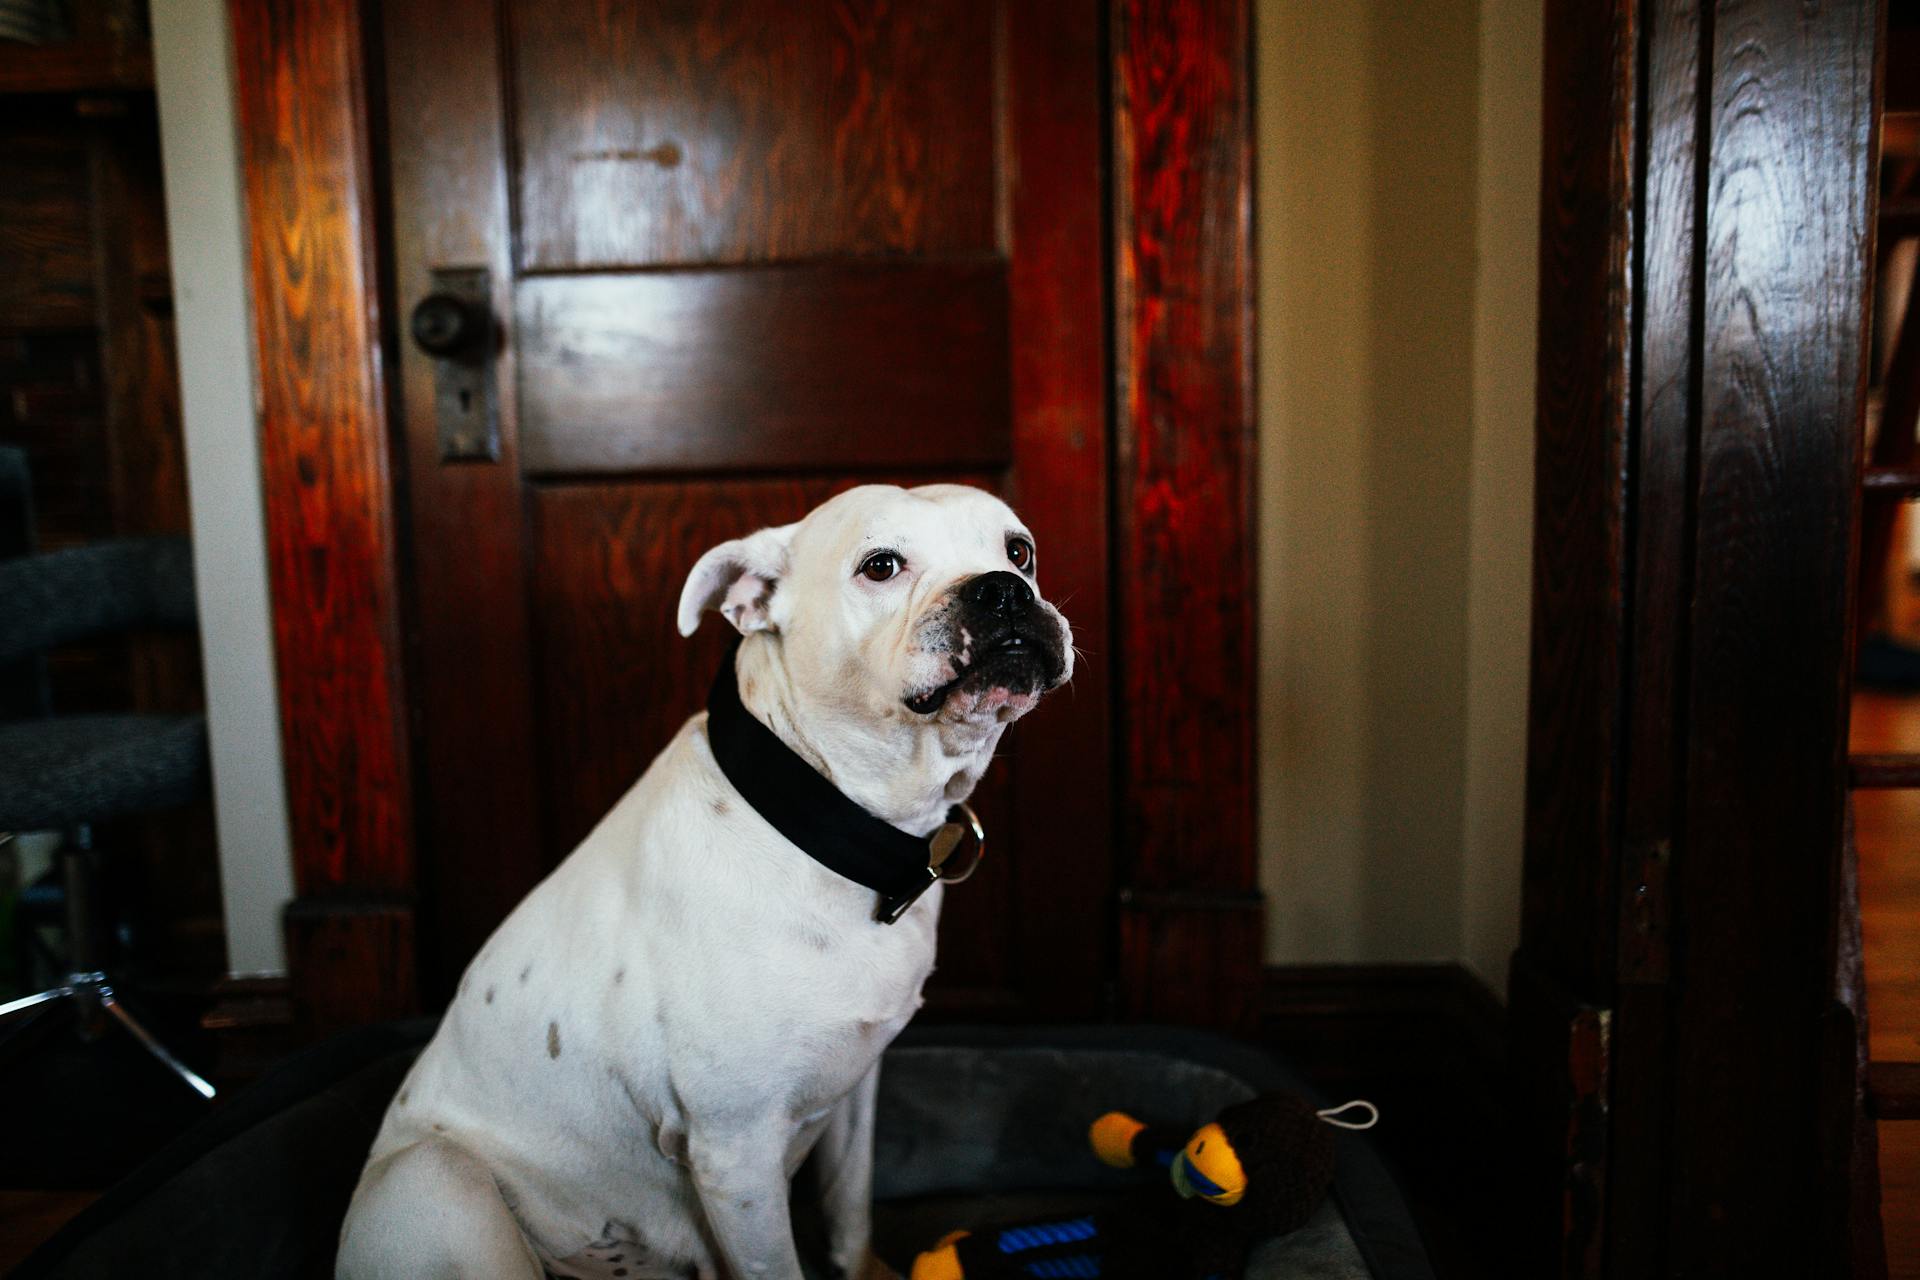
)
(322, 339)
(1182, 483)
(1685, 1055)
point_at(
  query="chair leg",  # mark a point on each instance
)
(38, 998)
(193, 1079)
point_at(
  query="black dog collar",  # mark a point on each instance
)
(828, 827)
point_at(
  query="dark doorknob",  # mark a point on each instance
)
(446, 326)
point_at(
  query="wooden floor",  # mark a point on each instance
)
(1887, 833)
(1887, 826)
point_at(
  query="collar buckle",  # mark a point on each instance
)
(949, 860)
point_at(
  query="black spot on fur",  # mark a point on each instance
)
(524, 971)
(619, 976)
(553, 1039)
(489, 995)
(402, 1098)
(720, 807)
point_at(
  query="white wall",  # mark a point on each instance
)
(1399, 144)
(199, 150)
(1506, 308)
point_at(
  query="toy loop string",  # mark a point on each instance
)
(1373, 1115)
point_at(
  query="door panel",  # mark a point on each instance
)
(745, 255)
(770, 131)
(810, 366)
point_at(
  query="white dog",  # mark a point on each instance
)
(646, 1050)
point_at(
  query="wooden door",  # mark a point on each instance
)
(1681, 1001)
(742, 254)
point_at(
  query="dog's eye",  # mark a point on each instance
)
(1020, 553)
(881, 565)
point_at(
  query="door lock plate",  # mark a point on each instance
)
(464, 405)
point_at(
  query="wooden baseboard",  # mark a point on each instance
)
(1191, 958)
(350, 961)
(1359, 1020)
(251, 1025)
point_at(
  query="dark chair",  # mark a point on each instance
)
(67, 772)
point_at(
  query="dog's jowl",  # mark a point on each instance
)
(697, 998)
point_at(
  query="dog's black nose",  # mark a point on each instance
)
(997, 592)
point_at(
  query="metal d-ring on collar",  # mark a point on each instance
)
(812, 813)
(961, 822)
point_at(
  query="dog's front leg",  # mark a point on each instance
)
(844, 1158)
(741, 1180)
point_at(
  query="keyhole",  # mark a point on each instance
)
(466, 400)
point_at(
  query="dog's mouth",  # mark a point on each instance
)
(1016, 660)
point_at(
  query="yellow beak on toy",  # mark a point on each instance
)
(1210, 1168)
(942, 1262)
(1112, 1138)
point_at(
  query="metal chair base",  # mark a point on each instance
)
(94, 988)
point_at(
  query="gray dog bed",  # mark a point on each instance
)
(976, 1126)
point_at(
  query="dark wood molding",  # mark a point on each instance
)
(350, 962)
(1354, 1021)
(313, 213)
(97, 64)
(1579, 503)
(1184, 602)
(1700, 390)
(251, 1023)
(1758, 854)
(481, 845)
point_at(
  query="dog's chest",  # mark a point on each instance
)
(851, 983)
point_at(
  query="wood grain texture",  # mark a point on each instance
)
(1184, 450)
(1700, 386)
(809, 367)
(349, 962)
(1664, 392)
(44, 228)
(1062, 782)
(1787, 234)
(467, 585)
(1564, 974)
(518, 567)
(768, 131)
(301, 95)
(1579, 557)
(1192, 958)
(97, 64)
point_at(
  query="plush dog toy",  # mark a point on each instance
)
(1259, 1170)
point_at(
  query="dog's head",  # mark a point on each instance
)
(905, 603)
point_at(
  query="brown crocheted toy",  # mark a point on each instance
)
(1259, 1170)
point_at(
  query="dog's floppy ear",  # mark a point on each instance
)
(738, 578)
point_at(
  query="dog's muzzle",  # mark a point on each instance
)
(1012, 641)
